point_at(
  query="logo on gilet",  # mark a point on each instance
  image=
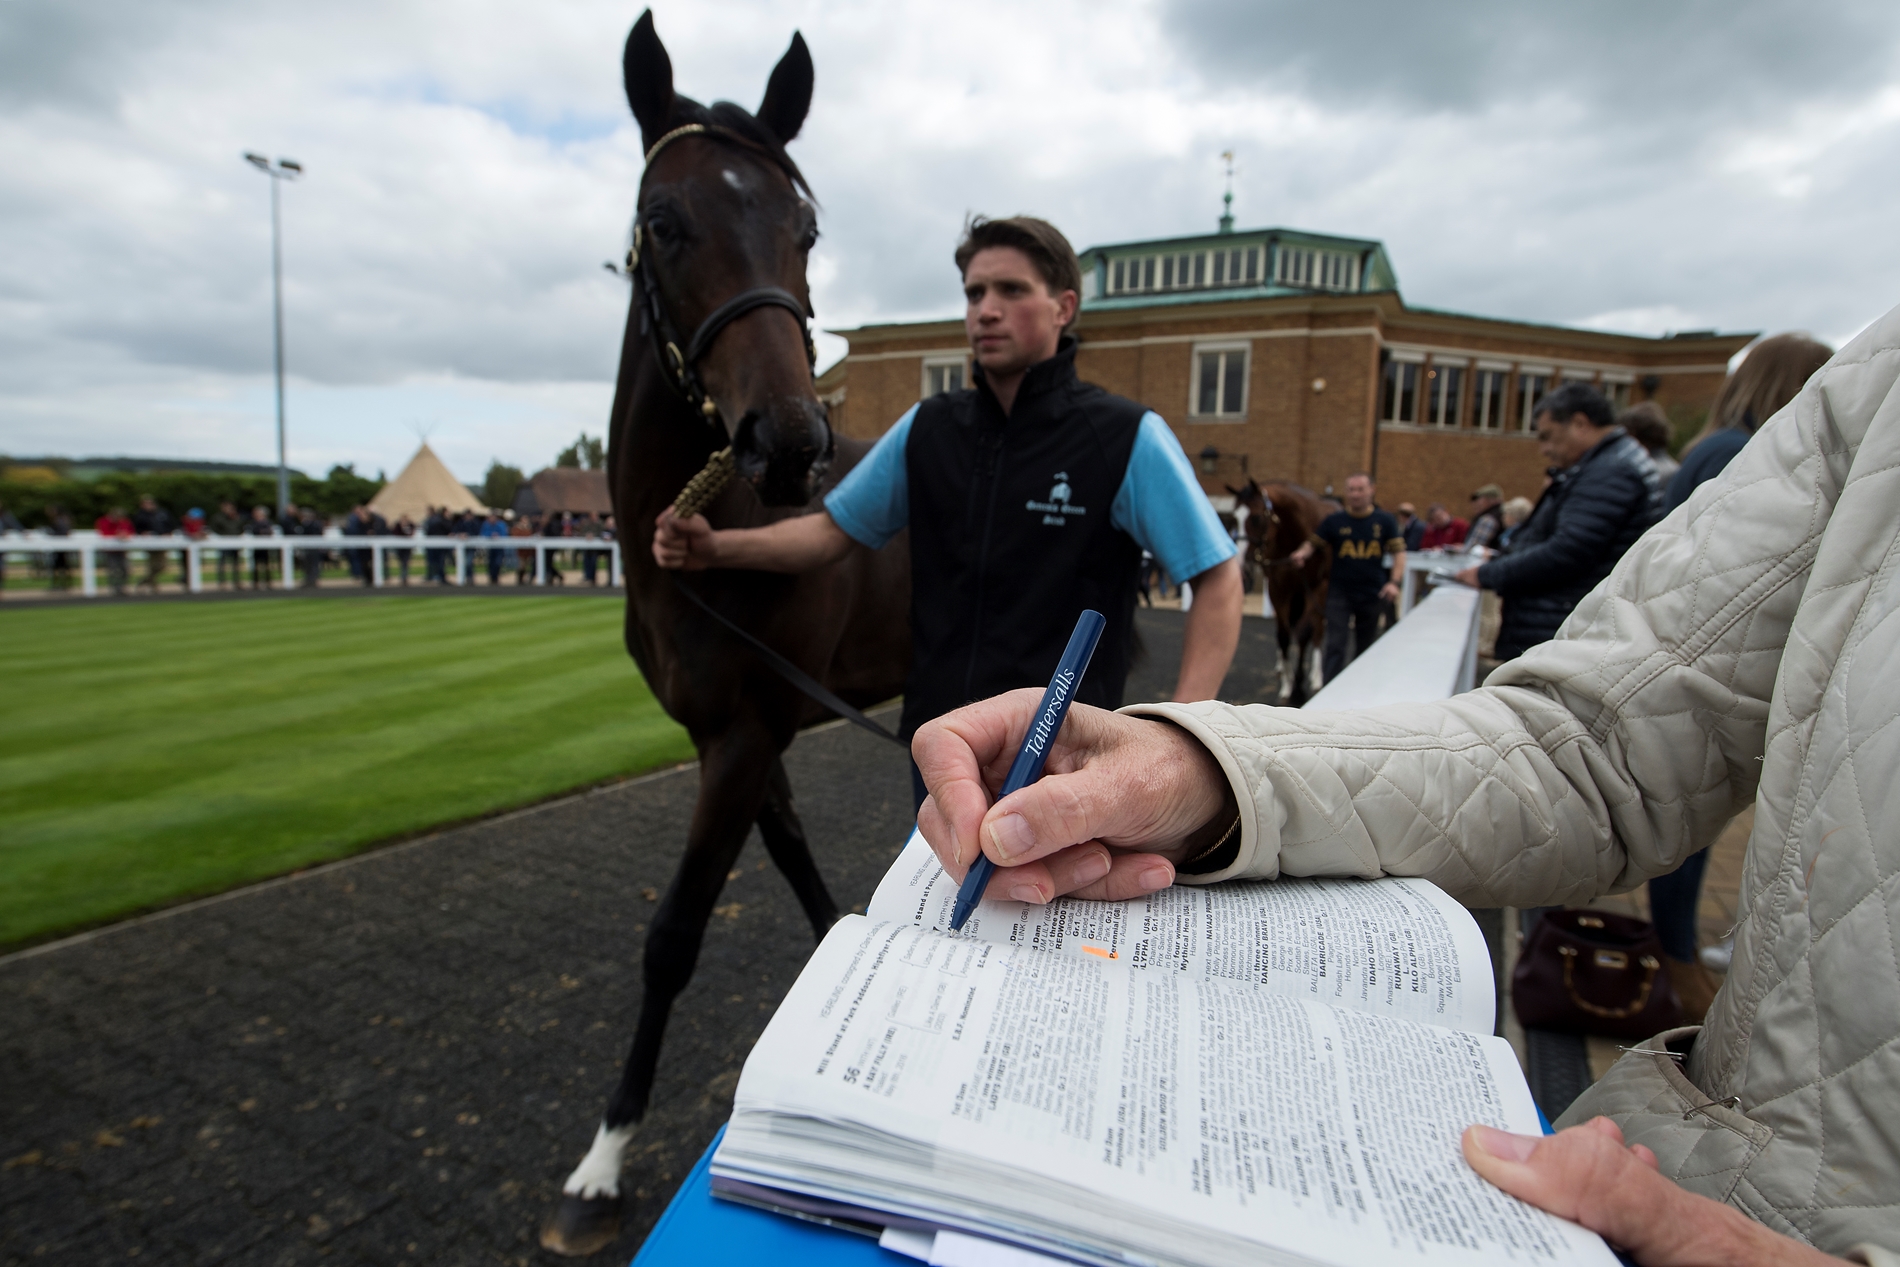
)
(1058, 505)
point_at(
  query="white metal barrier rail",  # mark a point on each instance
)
(1436, 567)
(464, 550)
(1430, 654)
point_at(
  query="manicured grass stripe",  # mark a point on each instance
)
(159, 752)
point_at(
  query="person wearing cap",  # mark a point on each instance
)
(1487, 517)
(1411, 527)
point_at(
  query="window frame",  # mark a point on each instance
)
(1433, 389)
(1416, 360)
(1485, 421)
(1616, 388)
(1527, 401)
(961, 364)
(1220, 347)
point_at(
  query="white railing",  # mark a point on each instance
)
(1434, 567)
(90, 547)
(1430, 654)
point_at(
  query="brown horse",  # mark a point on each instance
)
(717, 353)
(1280, 516)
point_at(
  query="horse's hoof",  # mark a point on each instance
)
(581, 1226)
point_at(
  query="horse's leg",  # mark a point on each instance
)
(785, 842)
(1293, 638)
(734, 771)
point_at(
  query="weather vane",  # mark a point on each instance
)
(1227, 199)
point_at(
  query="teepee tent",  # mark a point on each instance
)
(425, 482)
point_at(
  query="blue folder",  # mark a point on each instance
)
(699, 1228)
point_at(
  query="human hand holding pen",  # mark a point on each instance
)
(1120, 801)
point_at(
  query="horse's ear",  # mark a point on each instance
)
(649, 76)
(1235, 492)
(788, 92)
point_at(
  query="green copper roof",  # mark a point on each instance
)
(1239, 237)
(1208, 295)
(1370, 274)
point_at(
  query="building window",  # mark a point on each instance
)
(1398, 400)
(1444, 394)
(1488, 409)
(1619, 395)
(1531, 386)
(1325, 270)
(1239, 266)
(1220, 383)
(943, 374)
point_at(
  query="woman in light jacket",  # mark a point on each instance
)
(1743, 652)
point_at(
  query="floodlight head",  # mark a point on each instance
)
(290, 165)
(258, 161)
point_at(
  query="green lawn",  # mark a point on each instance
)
(160, 751)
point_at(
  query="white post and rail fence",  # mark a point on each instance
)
(1432, 654)
(90, 547)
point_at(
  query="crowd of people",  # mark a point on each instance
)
(150, 519)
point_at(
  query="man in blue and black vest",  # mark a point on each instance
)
(1028, 496)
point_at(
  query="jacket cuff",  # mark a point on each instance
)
(1252, 860)
(1872, 1256)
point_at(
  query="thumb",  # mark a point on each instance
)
(1056, 811)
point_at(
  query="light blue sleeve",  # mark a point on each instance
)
(872, 502)
(1160, 504)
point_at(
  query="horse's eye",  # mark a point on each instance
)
(809, 240)
(660, 225)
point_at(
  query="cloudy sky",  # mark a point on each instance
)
(1620, 165)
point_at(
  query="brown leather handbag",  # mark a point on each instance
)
(1591, 972)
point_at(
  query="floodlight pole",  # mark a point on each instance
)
(286, 169)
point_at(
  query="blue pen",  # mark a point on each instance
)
(1035, 749)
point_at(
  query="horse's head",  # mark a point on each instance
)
(1261, 522)
(721, 236)
(1279, 517)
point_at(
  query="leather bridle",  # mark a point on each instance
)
(682, 368)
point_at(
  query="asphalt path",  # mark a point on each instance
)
(396, 1058)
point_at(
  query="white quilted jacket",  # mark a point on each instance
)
(1747, 649)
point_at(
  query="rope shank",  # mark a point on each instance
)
(708, 484)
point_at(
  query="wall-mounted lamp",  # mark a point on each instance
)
(1319, 385)
(1211, 458)
(1651, 384)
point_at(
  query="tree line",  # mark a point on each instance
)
(180, 491)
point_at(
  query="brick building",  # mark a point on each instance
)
(1291, 355)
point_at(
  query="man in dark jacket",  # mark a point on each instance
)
(1028, 497)
(153, 520)
(226, 522)
(1603, 494)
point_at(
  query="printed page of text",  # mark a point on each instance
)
(1328, 1133)
(1391, 947)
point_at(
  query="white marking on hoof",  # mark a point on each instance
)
(598, 1175)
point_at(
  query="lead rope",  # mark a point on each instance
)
(708, 484)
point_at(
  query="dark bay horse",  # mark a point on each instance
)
(717, 353)
(1280, 516)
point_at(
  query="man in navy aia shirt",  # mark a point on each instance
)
(1028, 496)
(1368, 560)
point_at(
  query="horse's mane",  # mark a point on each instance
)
(741, 123)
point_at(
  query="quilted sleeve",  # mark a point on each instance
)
(1596, 760)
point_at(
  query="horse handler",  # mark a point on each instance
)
(1029, 497)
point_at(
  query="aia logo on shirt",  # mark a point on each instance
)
(1054, 512)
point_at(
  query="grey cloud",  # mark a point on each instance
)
(1633, 59)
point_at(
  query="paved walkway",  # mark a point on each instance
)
(397, 1058)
